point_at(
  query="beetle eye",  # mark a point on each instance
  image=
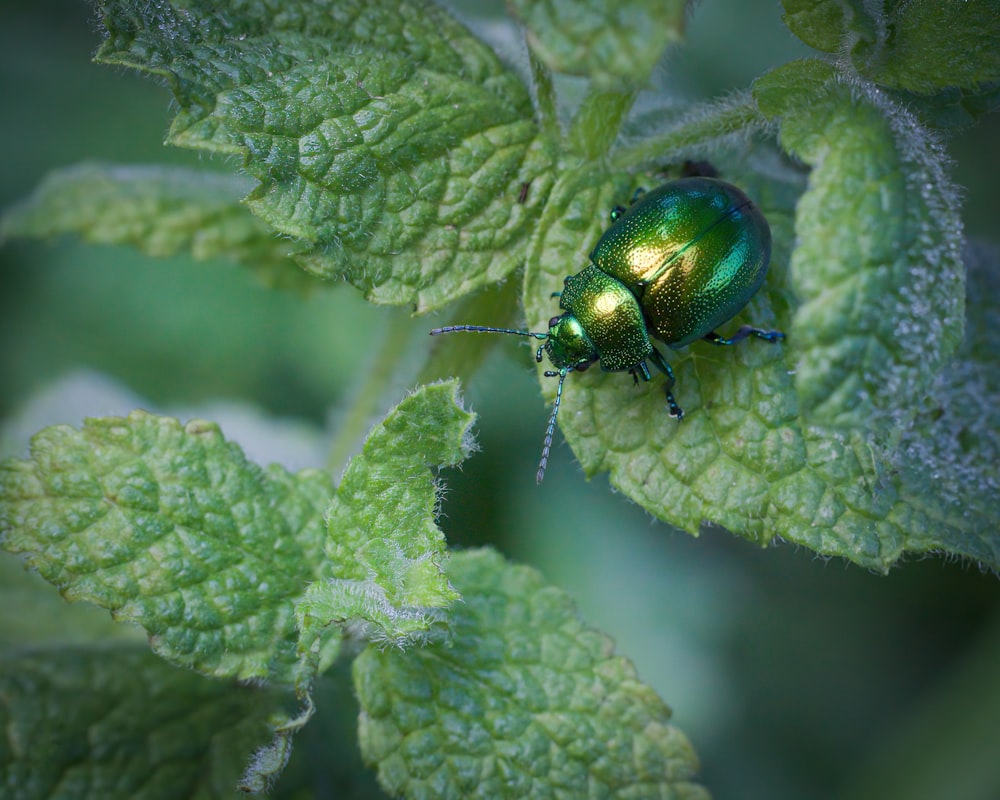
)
(554, 321)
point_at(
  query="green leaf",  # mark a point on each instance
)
(718, 463)
(949, 461)
(385, 139)
(952, 107)
(747, 456)
(117, 722)
(612, 44)
(162, 211)
(823, 23)
(526, 701)
(878, 270)
(921, 46)
(170, 527)
(386, 552)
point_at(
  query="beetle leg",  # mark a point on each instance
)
(640, 369)
(664, 367)
(639, 192)
(743, 333)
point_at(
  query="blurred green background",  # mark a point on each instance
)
(794, 677)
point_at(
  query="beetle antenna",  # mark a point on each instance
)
(549, 431)
(484, 329)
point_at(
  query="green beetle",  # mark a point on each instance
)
(681, 261)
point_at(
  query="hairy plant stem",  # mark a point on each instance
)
(692, 133)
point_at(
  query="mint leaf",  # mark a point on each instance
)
(385, 139)
(950, 460)
(170, 527)
(953, 108)
(878, 268)
(117, 722)
(616, 44)
(526, 701)
(824, 23)
(386, 552)
(739, 431)
(750, 455)
(162, 211)
(922, 46)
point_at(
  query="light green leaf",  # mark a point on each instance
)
(877, 270)
(612, 44)
(385, 139)
(949, 461)
(921, 46)
(739, 431)
(162, 211)
(170, 527)
(526, 701)
(118, 723)
(386, 552)
(747, 456)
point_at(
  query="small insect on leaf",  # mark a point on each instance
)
(682, 260)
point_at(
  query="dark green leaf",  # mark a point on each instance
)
(117, 723)
(526, 701)
(921, 46)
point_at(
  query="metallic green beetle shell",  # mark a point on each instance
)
(693, 252)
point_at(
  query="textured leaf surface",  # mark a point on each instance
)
(385, 139)
(386, 551)
(921, 46)
(170, 527)
(526, 701)
(610, 43)
(950, 460)
(162, 211)
(119, 723)
(878, 270)
(747, 455)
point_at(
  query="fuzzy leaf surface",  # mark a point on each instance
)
(921, 46)
(878, 270)
(117, 723)
(387, 553)
(526, 701)
(161, 211)
(748, 455)
(169, 526)
(613, 44)
(384, 138)
(949, 461)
